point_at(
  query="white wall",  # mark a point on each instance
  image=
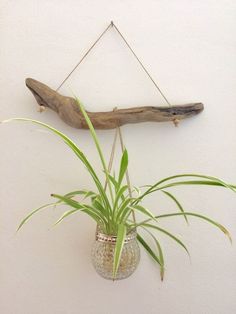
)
(189, 47)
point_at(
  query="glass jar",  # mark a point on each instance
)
(103, 254)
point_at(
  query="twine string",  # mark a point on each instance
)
(129, 47)
(84, 56)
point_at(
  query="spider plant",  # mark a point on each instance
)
(111, 209)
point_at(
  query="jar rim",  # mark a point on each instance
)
(102, 237)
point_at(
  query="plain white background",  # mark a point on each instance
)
(189, 47)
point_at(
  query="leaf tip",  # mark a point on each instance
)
(226, 232)
(162, 273)
(19, 227)
(57, 222)
(4, 121)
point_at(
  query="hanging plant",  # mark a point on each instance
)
(115, 254)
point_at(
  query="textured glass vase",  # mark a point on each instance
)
(103, 254)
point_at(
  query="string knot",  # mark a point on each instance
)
(41, 108)
(176, 122)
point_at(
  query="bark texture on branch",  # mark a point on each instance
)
(69, 112)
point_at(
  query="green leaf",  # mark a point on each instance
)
(218, 225)
(145, 211)
(137, 190)
(160, 251)
(113, 181)
(89, 194)
(177, 203)
(84, 209)
(68, 201)
(214, 180)
(119, 195)
(148, 249)
(98, 205)
(121, 234)
(123, 210)
(124, 214)
(168, 234)
(162, 267)
(66, 214)
(86, 193)
(96, 215)
(98, 146)
(123, 166)
(34, 212)
(193, 182)
(76, 150)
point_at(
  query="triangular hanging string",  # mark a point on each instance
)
(84, 56)
(141, 64)
(132, 51)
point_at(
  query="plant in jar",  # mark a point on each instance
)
(115, 254)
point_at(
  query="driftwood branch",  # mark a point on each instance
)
(69, 112)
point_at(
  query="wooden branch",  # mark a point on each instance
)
(69, 112)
